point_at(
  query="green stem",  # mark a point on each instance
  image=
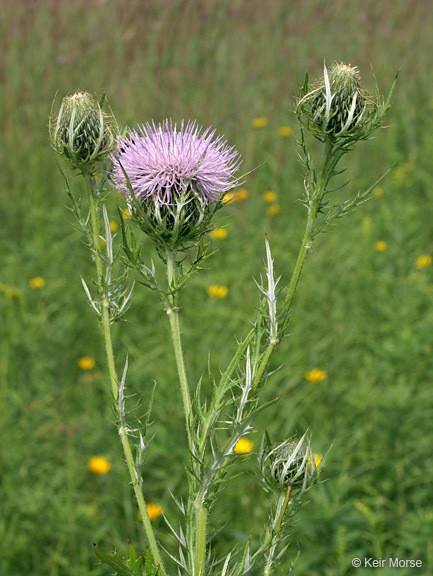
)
(272, 534)
(264, 363)
(91, 191)
(173, 316)
(106, 329)
(268, 568)
(201, 513)
(200, 510)
(220, 391)
(307, 239)
(305, 247)
(283, 508)
(156, 557)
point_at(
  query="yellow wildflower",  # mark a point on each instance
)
(99, 465)
(217, 291)
(218, 234)
(273, 210)
(126, 214)
(423, 261)
(259, 122)
(86, 363)
(238, 196)
(317, 460)
(102, 241)
(37, 283)
(269, 197)
(315, 375)
(113, 226)
(381, 246)
(153, 511)
(243, 445)
(379, 192)
(285, 131)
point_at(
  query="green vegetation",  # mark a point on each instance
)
(363, 313)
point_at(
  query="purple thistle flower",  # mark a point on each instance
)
(160, 162)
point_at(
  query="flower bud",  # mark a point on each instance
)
(171, 225)
(291, 463)
(81, 132)
(347, 100)
(336, 105)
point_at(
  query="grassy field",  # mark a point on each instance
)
(362, 315)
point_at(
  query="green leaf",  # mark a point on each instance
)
(131, 567)
(305, 85)
(149, 568)
(115, 562)
(133, 562)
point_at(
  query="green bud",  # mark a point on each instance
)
(173, 225)
(290, 463)
(347, 101)
(81, 132)
(336, 106)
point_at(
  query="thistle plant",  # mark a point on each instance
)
(173, 180)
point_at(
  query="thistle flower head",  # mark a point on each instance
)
(81, 132)
(290, 463)
(174, 178)
(161, 161)
(337, 106)
(347, 104)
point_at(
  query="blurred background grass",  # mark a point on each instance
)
(363, 316)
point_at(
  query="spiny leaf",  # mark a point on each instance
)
(134, 562)
(115, 562)
(131, 567)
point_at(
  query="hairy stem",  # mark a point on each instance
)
(199, 518)
(271, 540)
(313, 207)
(274, 538)
(106, 329)
(284, 508)
(220, 391)
(200, 538)
(173, 316)
(156, 557)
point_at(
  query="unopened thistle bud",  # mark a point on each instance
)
(174, 179)
(291, 464)
(81, 132)
(337, 106)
